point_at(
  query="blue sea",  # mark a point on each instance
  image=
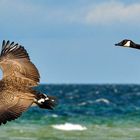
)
(84, 112)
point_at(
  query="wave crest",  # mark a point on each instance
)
(69, 127)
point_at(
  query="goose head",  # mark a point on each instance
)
(126, 43)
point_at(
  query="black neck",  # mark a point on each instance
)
(136, 46)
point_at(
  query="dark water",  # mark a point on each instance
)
(102, 112)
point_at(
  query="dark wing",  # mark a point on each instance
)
(16, 65)
(12, 107)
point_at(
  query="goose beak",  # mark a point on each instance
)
(118, 44)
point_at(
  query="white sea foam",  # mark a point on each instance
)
(82, 104)
(69, 127)
(102, 100)
(54, 116)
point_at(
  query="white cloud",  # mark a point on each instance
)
(30, 13)
(101, 13)
(111, 12)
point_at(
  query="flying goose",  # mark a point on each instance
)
(128, 43)
(19, 76)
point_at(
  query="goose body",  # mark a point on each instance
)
(19, 76)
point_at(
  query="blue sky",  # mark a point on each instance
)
(72, 41)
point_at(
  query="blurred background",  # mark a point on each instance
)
(72, 45)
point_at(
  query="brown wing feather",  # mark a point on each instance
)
(14, 109)
(16, 65)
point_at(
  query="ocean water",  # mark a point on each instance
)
(84, 112)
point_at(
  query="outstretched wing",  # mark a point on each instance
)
(13, 106)
(16, 65)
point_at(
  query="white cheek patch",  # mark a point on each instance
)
(127, 44)
(41, 101)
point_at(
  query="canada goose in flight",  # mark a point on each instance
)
(128, 43)
(19, 76)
